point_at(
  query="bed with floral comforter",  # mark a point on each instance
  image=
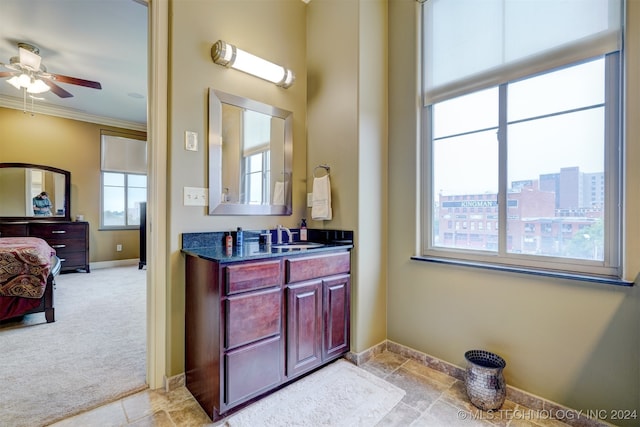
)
(27, 268)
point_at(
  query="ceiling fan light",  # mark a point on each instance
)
(14, 81)
(38, 86)
(24, 80)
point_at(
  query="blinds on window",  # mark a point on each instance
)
(471, 44)
(122, 154)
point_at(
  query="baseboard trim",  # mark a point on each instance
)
(567, 415)
(174, 382)
(115, 263)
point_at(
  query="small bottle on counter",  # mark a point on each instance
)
(303, 230)
(228, 243)
(239, 237)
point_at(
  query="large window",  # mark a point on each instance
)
(521, 161)
(124, 181)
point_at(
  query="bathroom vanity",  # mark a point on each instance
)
(260, 317)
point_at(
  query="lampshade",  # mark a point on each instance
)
(31, 84)
(228, 55)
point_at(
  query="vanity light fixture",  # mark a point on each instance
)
(228, 55)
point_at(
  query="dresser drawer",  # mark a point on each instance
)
(13, 230)
(50, 232)
(252, 317)
(252, 276)
(72, 259)
(299, 269)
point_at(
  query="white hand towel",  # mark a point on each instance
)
(321, 196)
(279, 192)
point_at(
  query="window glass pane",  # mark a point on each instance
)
(255, 188)
(556, 172)
(135, 196)
(113, 206)
(255, 163)
(137, 181)
(466, 113)
(465, 185)
(116, 179)
(574, 87)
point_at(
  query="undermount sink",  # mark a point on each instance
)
(298, 245)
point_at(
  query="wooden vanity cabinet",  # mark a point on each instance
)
(252, 326)
(234, 331)
(318, 310)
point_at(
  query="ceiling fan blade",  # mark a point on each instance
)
(7, 73)
(76, 81)
(57, 89)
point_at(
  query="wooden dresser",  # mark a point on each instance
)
(69, 239)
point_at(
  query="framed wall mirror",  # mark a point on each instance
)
(21, 182)
(250, 156)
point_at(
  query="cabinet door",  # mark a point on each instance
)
(304, 326)
(337, 296)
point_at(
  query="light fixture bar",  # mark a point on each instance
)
(228, 55)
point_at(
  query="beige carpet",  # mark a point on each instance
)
(93, 353)
(338, 395)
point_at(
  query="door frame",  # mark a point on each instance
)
(157, 267)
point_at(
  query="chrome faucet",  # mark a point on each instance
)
(279, 230)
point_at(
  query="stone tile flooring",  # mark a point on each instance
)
(432, 399)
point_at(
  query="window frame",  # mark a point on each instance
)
(128, 160)
(126, 226)
(607, 271)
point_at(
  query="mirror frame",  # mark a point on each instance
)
(67, 192)
(216, 207)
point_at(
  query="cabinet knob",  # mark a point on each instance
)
(58, 246)
(58, 231)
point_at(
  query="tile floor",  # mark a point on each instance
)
(432, 399)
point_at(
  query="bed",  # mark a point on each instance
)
(28, 266)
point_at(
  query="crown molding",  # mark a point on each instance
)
(69, 113)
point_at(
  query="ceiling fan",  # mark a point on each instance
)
(27, 72)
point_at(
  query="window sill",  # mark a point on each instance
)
(554, 274)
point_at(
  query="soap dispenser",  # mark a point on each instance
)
(303, 230)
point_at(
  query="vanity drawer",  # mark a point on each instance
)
(299, 269)
(252, 276)
(252, 317)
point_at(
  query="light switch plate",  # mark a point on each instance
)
(309, 200)
(195, 196)
(190, 140)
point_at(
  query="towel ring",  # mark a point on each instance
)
(326, 168)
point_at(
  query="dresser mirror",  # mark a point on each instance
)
(21, 182)
(250, 156)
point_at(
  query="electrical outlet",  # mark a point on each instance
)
(118, 248)
(195, 196)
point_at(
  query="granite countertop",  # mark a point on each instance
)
(210, 245)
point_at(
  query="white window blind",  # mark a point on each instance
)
(474, 44)
(122, 154)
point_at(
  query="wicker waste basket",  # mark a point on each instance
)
(484, 380)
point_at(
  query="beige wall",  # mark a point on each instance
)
(573, 342)
(347, 130)
(274, 30)
(74, 146)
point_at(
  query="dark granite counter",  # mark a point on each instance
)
(211, 246)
